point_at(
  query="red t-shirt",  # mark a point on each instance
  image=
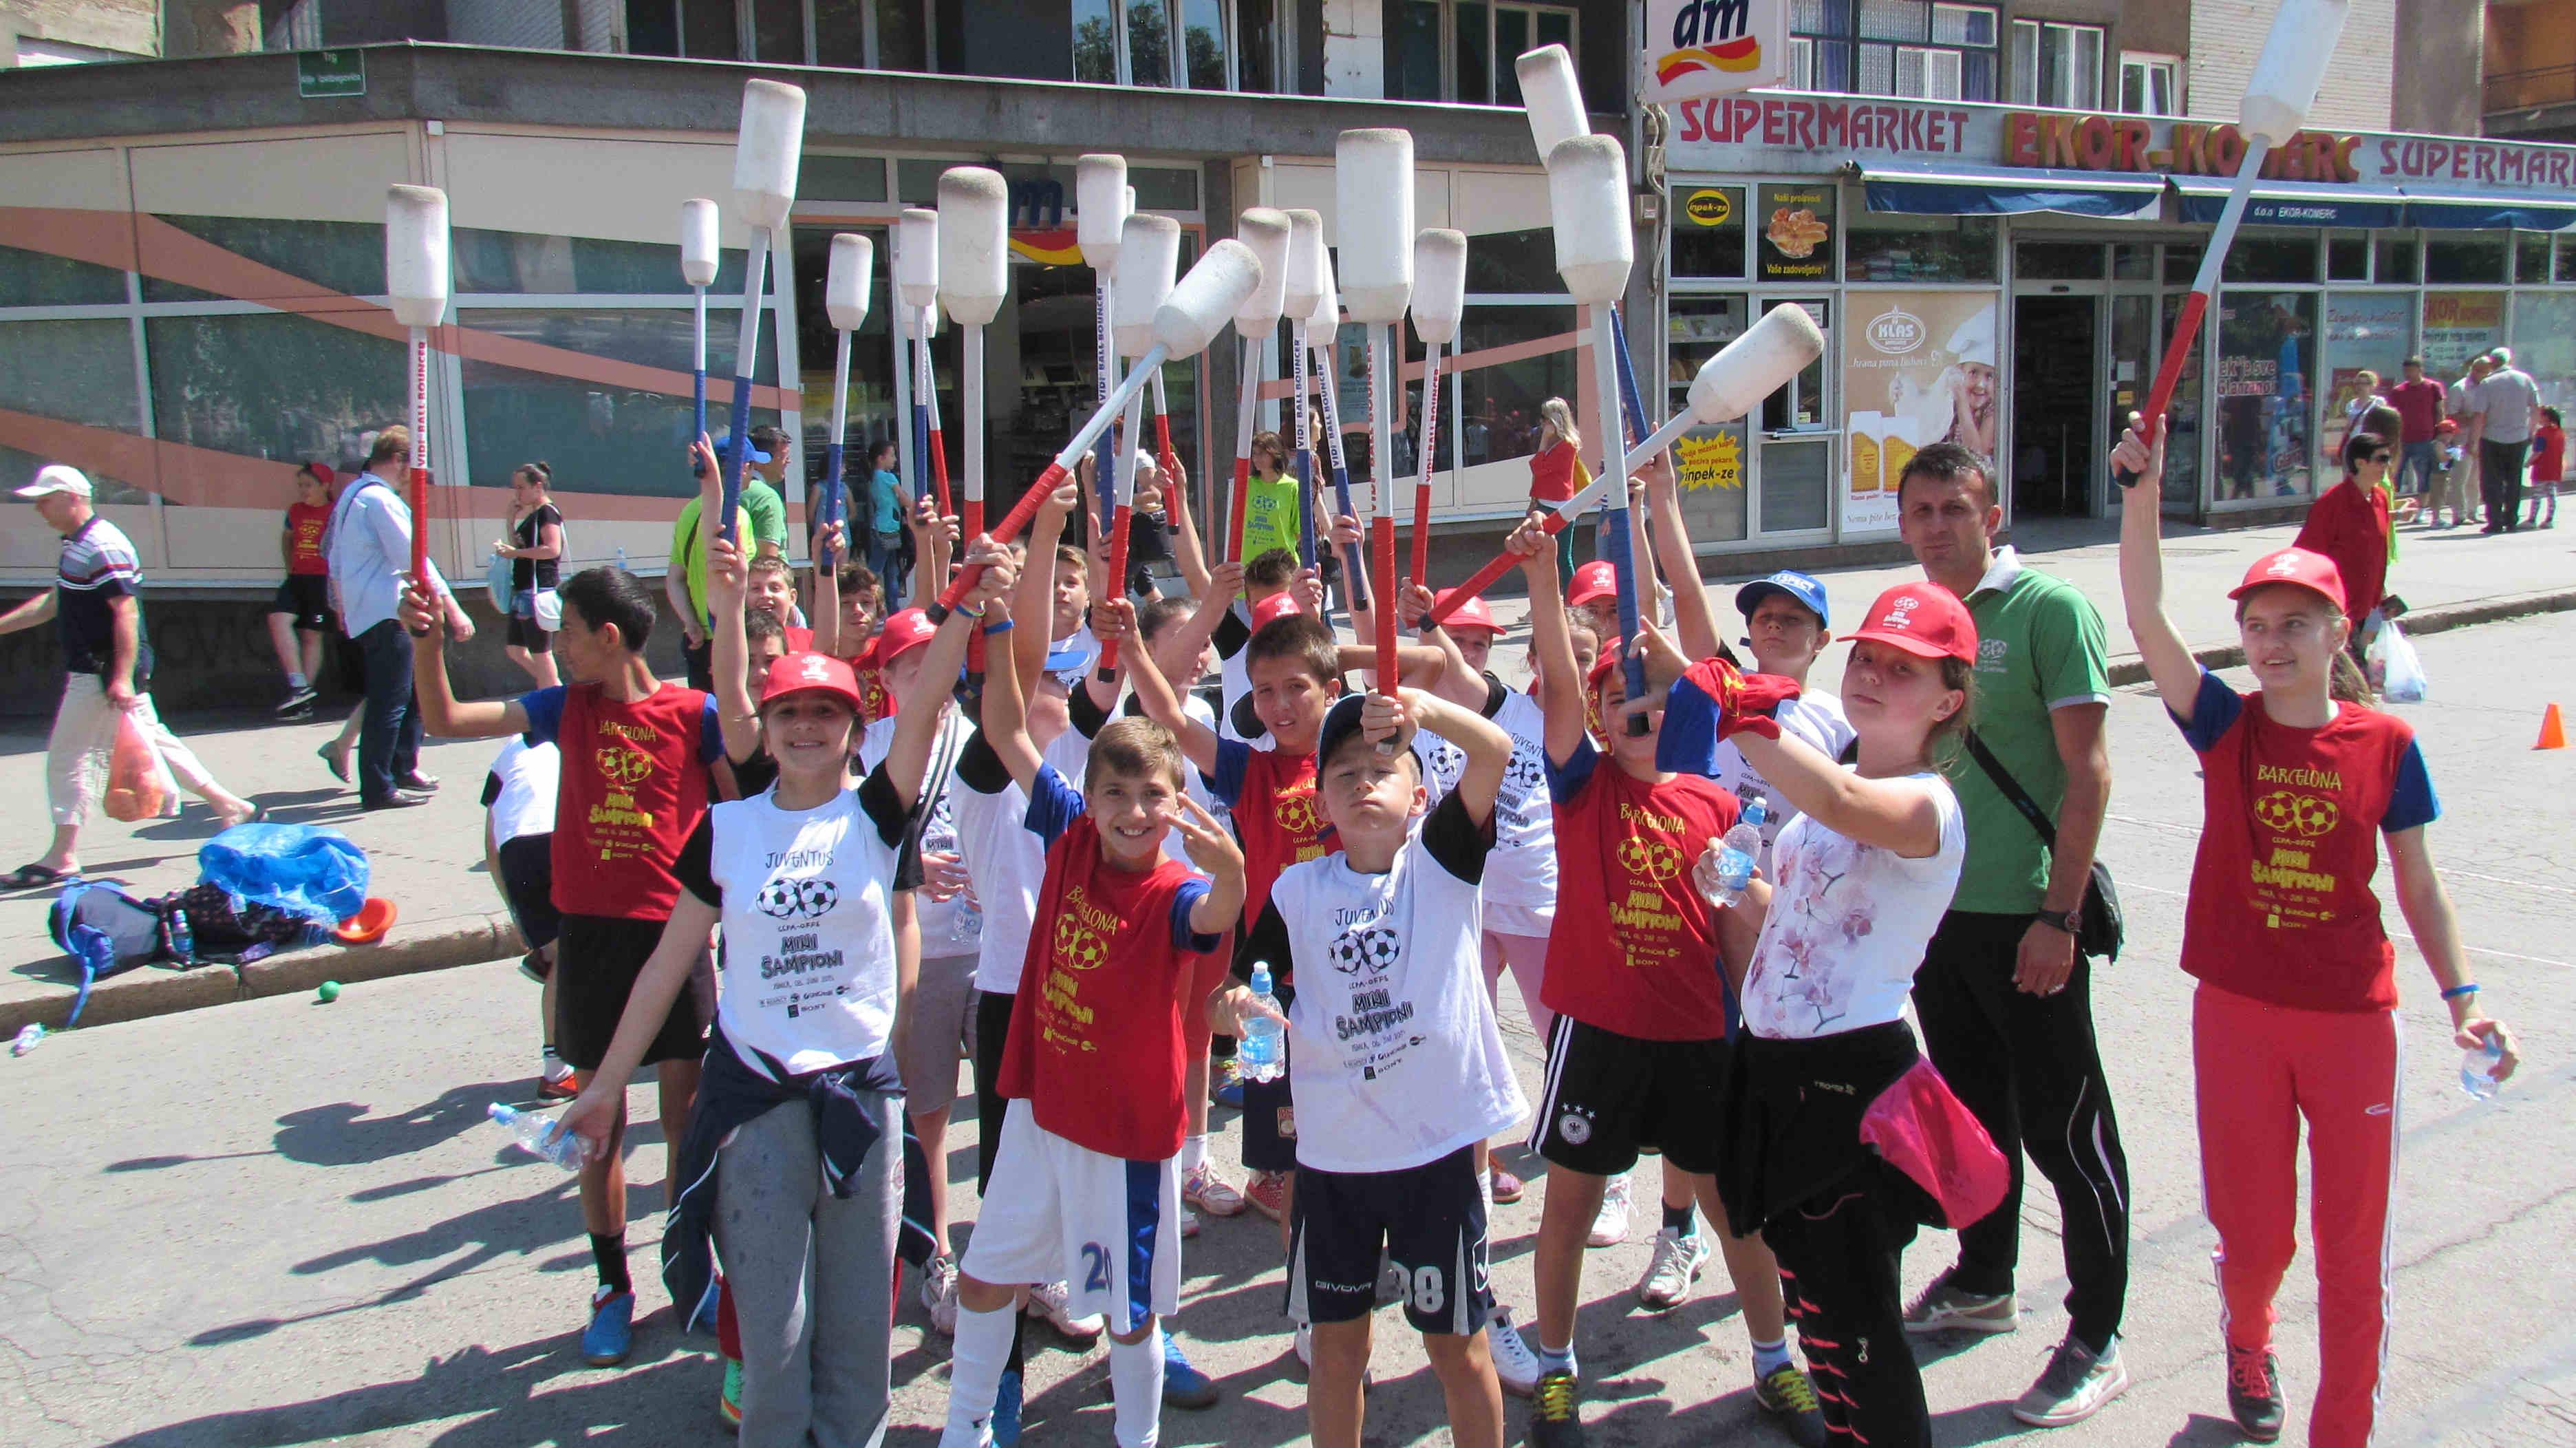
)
(1096, 1036)
(2349, 524)
(2548, 453)
(1634, 945)
(634, 785)
(1552, 474)
(1276, 814)
(304, 525)
(2281, 908)
(2421, 405)
(876, 701)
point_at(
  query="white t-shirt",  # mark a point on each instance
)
(1005, 862)
(948, 927)
(1847, 926)
(807, 905)
(1520, 874)
(523, 803)
(1814, 717)
(1394, 1058)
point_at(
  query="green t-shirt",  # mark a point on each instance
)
(1270, 516)
(768, 511)
(686, 554)
(2040, 647)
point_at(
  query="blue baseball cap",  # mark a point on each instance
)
(1800, 586)
(751, 450)
(1070, 658)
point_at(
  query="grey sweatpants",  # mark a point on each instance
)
(812, 1277)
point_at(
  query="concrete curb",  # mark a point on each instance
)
(2130, 669)
(160, 990)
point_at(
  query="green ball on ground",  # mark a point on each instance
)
(329, 992)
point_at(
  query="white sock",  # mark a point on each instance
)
(296, 681)
(1136, 1376)
(1193, 1153)
(1552, 1358)
(1770, 1357)
(976, 1358)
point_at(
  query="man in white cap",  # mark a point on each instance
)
(106, 666)
(1972, 384)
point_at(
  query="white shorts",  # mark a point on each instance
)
(1110, 1230)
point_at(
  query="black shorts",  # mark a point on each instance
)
(308, 597)
(1269, 1125)
(528, 883)
(1610, 1097)
(1429, 1220)
(596, 962)
(527, 633)
(992, 1032)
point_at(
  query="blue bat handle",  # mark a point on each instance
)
(1306, 507)
(833, 510)
(699, 406)
(1629, 402)
(921, 447)
(1615, 542)
(735, 450)
(1104, 473)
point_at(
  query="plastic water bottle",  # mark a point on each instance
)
(540, 1136)
(2477, 1067)
(621, 559)
(1736, 854)
(30, 1036)
(1262, 1053)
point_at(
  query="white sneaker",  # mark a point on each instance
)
(1305, 1345)
(1189, 1224)
(1670, 1273)
(1054, 1303)
(1610, 1225)
(939, 1294)
(1515, 1361)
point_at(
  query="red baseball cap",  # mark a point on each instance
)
(1591, 581)
(1612, 651)
(1471, 613)
(1274, 608)
(810, 673)
(1925, 620)
(905, 630)
(321, 472)
(2297, 567)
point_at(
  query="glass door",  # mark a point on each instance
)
(1710, 460)
(1799, 423)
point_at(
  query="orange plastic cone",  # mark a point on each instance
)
(2553, 730)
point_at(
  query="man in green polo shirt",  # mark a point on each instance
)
(2004, 996)
(684, 582)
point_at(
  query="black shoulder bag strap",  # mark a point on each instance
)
(2102, 928)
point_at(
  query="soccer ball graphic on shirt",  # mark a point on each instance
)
(2286, 811)
(1078, 945)
(782, 899)
(624, 766)
(1649, 859)
(1374, 948)
(1297, 814)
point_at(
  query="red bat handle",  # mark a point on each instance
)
(1115, 582)
(420, 526)
(1430, 452)
(1012, 522)
(1163, 447)
(939, 472)
(2177, 352)
(1483, 578)
(1384, 538)
(1242, 504)
(975, 641)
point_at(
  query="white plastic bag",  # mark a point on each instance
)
(2395, 671)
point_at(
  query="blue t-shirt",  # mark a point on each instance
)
(885, 496)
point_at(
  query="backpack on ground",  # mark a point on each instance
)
(105, 931)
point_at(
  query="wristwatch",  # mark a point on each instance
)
(2072, 922)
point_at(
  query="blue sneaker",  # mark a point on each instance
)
(1006, 1412)
(1183, 1385)
(611, 1334)
(704, 1319)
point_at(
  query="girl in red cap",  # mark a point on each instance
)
(2296, 1012)
(1827, 1090)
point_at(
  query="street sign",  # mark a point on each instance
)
(328, 74)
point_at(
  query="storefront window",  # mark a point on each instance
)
(2464, 259)
(2457, 327)
(1796, 485)
(40, 279)
(1801, 404)
(2182, 264)
(1708, 232)
(2544, 329)
(1507, 262)
(2531, 256)
(2057, 261)
(2567, 258)
(2347, 258)
(2365, 331)
(2266, 349)
(79, 371)
(2275, 258)
(2400, 261)
(275, 385)
(2133, 261)
(2182, 419)
(840, 178)
(1798, 232)
(1500, 404)
(1711, 461)
(1883, 248)
(520, 261)
(345, 256)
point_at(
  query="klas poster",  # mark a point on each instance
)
(1918, 368)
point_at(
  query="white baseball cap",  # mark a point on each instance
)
(57, 478)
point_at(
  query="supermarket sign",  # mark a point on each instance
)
(1697, 48)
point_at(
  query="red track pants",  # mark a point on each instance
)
(2259, 1069)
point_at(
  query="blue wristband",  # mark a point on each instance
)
(2457, 991)
(991, 629)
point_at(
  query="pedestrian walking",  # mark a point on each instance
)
(535, 547)
(2295, 1016)
(2349, 524)
(2507, 404)
(2004, 995)
(2548, 467)
(299, 617)
(2457, 488)
(2418, 400)
(369, 550)
(887, 507)
(97, 608)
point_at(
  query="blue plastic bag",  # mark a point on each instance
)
(303, 869)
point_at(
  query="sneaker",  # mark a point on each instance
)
(1610, 1224)
(2254, 1392)
(1183, 1385)
(939, 1293)
(2074, 1385)
(1515, 1361)
(1225, 1083)
(417, 782)
(1052, 1302)
(1006, 1411)
(1207, 1192)
(1557, 1421)
(729, 1402)
(534, 967)
(611, 1334)
(1673, 1270)
(1268, 1193)
(299, 698)
(1505, 1187)
(1944, 1308)
(1788, 1396)
(1189, 1224)
(1304, 1342)
(556, 1081)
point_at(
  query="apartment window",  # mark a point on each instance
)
(2149, 84)
(853, 34)
(1464, 50)
(2056, 65)
(1894, 48)
(1132, 42)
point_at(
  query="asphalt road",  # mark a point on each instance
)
(284, 1222)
